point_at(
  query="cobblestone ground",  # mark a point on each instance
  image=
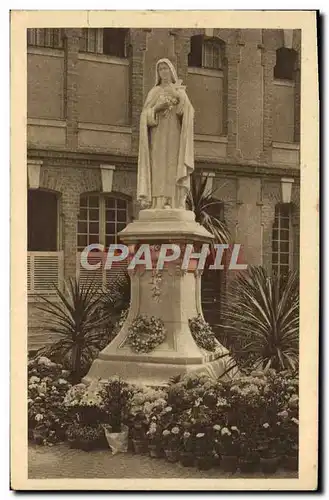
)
(62, 462)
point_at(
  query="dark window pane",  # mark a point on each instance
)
(93, 238)
(121, 203)
(275, 234)
(93, 227)
(93, 201)
(83, 201)
(275, 246)
(284, 234)
(110, 203)
(284, 270)
(274, 258)
(284, 223)
(110, 215)
(122, 215)
(109, 240)
(82, 240)
(110, 228)
(82, 227)
(83, 214)
(284, 246)
(94, 214)
(275, 269)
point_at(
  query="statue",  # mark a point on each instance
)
(166, 152)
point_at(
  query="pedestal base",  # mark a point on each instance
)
(151, 373)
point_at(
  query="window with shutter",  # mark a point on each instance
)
(45, 37)
(281, 239)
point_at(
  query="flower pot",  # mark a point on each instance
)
(117, 441)
(140, 446)
(204, 462)
(269, 465)
(229, 463)
(86, 445)
(172, 455)
(39, 434)
(187, 459)
(155, 451)
(290, 462)
(248, 465)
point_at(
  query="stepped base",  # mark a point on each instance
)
(152, 374)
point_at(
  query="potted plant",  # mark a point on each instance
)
(154, 435)
(187, 454)
(138, 432)
(229, 449)
(204, 451)
(115, 396)
(289, 443)
(85, 437)
(171, 443)
(249, 456)
(269, 449)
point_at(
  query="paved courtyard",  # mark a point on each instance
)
(62, 462)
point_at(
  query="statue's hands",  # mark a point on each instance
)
(161, 105)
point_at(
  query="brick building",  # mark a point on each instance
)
(85, 91)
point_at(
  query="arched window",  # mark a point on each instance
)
(109, 41)
(101, 218)
(285, 64)
(281, 239)
(45, 37)
(206, 52)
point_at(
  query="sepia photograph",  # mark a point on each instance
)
(163, 201)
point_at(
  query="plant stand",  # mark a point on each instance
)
(179, 300)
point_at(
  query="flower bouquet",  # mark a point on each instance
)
(171, 443)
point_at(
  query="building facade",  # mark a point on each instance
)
(85, 92)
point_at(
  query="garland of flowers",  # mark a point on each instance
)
(146, 333)
(202, 333)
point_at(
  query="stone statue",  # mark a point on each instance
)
(166, 152)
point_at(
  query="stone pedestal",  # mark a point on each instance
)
(178, 300)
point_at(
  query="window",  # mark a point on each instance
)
(281, 239)
(42, 221)
(285, 64)
(100, 219)
(206, 52)
(109, 41)
(45, 37)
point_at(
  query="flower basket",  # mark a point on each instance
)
(117, 441)
(229, 463)
(187, 458)
(269, 465)
(172, 455)
(140, 446)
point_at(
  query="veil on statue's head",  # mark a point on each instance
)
(172, 70)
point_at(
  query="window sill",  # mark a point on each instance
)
(217, 73)
(103, 58)
(283, 83)
(45, 51)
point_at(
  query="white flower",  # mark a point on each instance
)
(225, 431)
(168, 409)
(61, 381)
(200, 435)
(175, 430)
(39, 417)
(44, 361)
(198, 402)
(234, 428)
(217, 427)
(34, 380)
(295, 421)
(266, 425)
(283, 414)
(186, 434)
(166, 432)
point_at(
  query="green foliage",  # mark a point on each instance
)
(262, 318)
(204, 205)
(78, 318)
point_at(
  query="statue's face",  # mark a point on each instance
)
(164, 72)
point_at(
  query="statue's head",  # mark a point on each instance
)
(165, 72)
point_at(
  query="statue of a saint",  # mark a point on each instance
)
(166, 153)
